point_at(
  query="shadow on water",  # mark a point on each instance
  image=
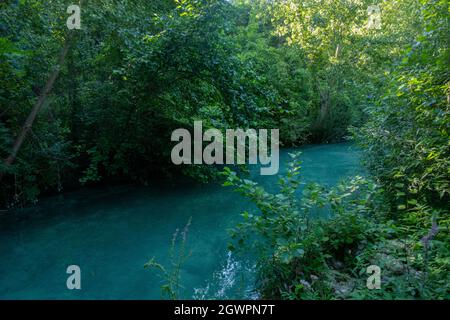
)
(112, 232)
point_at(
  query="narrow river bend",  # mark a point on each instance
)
(111, 233)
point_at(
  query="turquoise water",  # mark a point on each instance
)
(111, 233)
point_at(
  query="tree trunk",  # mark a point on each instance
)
(38, 105)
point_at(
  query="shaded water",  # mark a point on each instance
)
(111, 233)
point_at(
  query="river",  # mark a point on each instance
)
(110, 233)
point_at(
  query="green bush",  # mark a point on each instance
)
(303, 256)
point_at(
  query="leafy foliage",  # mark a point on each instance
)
(303, 256)
(139, 69)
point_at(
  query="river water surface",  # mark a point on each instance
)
(112, 232)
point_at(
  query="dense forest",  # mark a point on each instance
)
(97, 106)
